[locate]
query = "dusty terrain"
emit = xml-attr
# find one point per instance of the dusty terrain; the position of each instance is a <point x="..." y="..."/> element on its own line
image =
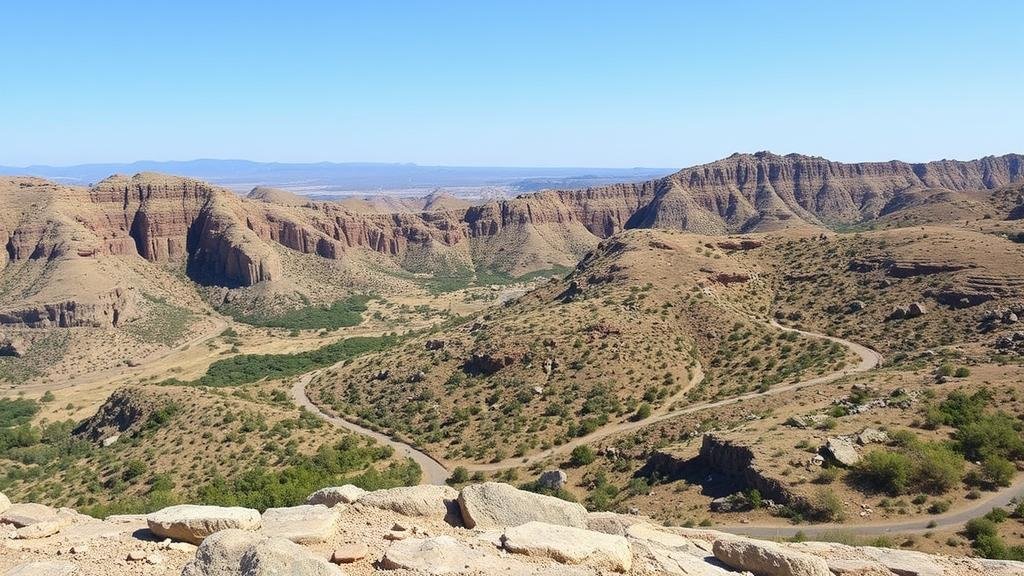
<point x="781" y="346"/>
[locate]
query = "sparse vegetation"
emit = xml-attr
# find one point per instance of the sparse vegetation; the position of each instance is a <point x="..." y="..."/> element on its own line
<point x="340" y="314"/>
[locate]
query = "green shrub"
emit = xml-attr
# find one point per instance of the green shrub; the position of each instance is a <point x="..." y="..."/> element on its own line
<point x="248" y="368"/>
<point x="926" y="467"/>
<point x="980" y="527"/>
<point x="349" y="461"/>
<point x="460" y="475"/>
<point x="825" y="506"/>
<point x="643" y="412"/>
<point x="885" y="471"/>
<point x="18" y="411"/>
<point x="997" y="470"/>
<point x="582" y="455"/>
<point x="992" y="434"/>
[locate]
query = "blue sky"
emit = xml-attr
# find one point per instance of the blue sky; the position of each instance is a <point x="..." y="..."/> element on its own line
<point x="518" y="83"/>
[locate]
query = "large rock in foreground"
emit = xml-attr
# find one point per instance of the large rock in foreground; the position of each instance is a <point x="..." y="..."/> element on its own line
<point x="280" y="557"/>
<point x="334" y="495"/>
<point x="425" y="501"/>
<point x="768" y="559"/>
<point x="570" y="545"/>
<point x="192" y="523"/>
<point x="21" y="515"/>
<point x="302" y="524"/>
<point x="234" y="552"/>
<point x="495" y="505"/>
<point x="439" y="555"/>
<point x="220" y="554"/>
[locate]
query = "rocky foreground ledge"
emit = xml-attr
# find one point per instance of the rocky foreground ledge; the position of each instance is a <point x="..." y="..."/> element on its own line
<point x="488" y="528"/>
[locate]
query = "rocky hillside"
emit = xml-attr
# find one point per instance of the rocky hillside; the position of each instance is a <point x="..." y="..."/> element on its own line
<point x="648" y="321"/>
<point x="764" y="191"/>
<point x="53" y="232"/>
<point x="483" y="529"/>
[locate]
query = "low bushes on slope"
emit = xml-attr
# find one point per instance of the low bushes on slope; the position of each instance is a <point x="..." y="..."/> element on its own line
<point x="247" y="368"/>
<point x="340" y="314"/>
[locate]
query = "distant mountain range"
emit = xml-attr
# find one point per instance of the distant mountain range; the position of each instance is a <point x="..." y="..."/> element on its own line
<point x="356" y="177"/>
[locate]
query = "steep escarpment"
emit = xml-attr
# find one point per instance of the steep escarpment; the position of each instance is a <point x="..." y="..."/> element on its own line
<point x="50" y="231"/>
<point x="168" y="218"/>
<point x="765" y="191"/>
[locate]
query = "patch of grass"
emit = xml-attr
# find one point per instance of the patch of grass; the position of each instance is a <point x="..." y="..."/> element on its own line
<point x="15" y="412"/>
<point x="247" y="368"/>
<point x="331" y="466"/>
<point x="164" y="323"/>
<point x="340" y="314"/>
<point x="463" y="279"/>
<point x="44" y="352"/>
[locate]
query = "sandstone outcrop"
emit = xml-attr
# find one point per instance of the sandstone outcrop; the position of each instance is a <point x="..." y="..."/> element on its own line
<point x="302" y="524"/>
<point x="234" y="552"/>
<point x="496" y="505"/>
<point x="438" y="555"/>
<point x="765" y="558"/>
<point x="334" y="495"/>
<point x="192" y="523"/>
<point x="428" y="501"/>
<point x="630" y="544"/>
<point x="570" y="545"/>
<point x="126" y="410"/>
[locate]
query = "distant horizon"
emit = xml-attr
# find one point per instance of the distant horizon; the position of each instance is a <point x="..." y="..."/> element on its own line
<point x="503" y="166"/>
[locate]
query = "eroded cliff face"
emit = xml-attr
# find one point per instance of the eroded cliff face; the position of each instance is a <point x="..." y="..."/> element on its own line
<point x="762" y="191"/>
<point x="229" y="241"/>
<point x="104" y="310"/>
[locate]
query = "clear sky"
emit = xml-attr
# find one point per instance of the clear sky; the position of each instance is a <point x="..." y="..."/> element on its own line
<point x="519" y="83"/>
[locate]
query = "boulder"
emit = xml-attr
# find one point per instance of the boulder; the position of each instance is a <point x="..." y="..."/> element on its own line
<point x="872" y="436"/>
<point x="768" y="559"/>
<point x="552" y="480"/>
<point x="916" y="309"/>
<point x="897" y="313"/>
<point x="39" y="530"/>
<point x="611" y="522"/>
<point x="5" y="503"/>
<point x="193" y="523"/>
<point x="306" y="524"/>
<point x="735" y="502"/>
<point x="438" y="555"/>
<point x="904" y="562"/>
<point x="221" y="553"/>
<point x="426" y="501"/>
<point x="349" y="553"/>
<point x="653" y="559"/>
<point x="280" y="557"/>
<point x="45" y="568"/>
<point x="570" y="545"/>
<point x="346" y="494"/>
<point x="662" y="539"/>
<point x="234" y="552"/>
<point x="26" y="514"/>
<point x="842" y="451"/>
<point x="497" y="505"/>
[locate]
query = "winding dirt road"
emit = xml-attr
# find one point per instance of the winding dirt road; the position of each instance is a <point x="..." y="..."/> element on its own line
<point x="433" y="471"/>
<point x="952" y="519"/>
<point x="436" y="473"/>
<point x="869" y="359"/>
